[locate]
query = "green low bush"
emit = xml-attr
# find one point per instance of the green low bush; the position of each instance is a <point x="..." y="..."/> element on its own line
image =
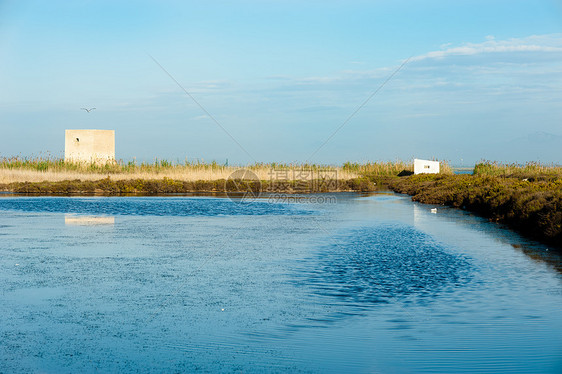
<point x="531" y="207"/>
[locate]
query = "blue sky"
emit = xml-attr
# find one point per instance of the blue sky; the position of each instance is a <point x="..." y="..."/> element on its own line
<point x="484" y="80"/>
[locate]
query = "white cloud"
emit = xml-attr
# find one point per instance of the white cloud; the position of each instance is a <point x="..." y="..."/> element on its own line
<point x="213" y="84"/>
<point x="199" y="118"/>
<point x="536" y="49"/>
<point x="535" y="43"/>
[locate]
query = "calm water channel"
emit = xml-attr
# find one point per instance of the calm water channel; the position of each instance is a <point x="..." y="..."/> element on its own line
<point x="343" y="283"/>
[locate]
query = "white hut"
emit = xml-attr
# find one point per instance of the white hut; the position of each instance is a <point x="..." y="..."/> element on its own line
<point x="96" y="146"/>
<point x="426" y="167"/>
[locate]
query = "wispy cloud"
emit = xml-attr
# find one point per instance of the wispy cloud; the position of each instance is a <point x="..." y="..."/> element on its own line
<point x="535" y="43"/>
<point x="213" y="84"/>
<point x="200" y="118"/>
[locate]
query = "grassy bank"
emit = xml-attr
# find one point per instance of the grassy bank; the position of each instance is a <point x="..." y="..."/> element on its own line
<point x="527" y="198"/>
<point x="57" y="176"/>
<point x="16" y="169"/>
<point x="531" y="171"/>
<point x="54" y="176"/>
<point x="110" y="186"/>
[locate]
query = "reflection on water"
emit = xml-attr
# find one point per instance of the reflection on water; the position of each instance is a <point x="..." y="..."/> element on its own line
<point x="379" y="264"/>
<point x="141" y="206"/>
<point x="551" y="257"/>
<point x="88" y="220"/>
<point x="421" y="212"/>
<point x="424" y="221"/>
<point x="367" y="284"/>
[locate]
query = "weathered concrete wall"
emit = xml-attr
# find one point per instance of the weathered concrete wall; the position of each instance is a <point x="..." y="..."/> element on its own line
<point x="96" y="146"/>
<point x="426" y="167"/>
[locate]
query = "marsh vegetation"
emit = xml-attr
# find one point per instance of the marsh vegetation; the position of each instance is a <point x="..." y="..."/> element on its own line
<point x="18" y="169"/>
<point x="528" y="198"/>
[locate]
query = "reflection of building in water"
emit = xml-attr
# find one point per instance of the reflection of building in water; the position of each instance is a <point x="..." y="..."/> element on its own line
<point x="419" y="216"/>
<point x="88" y="220"/>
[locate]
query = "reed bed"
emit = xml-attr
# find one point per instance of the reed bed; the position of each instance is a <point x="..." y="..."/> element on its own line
<point x="180" y="174"/>
<point x="530" y="170"/>
<point x="17" y="169"/>
<point x="50" y="169"/>
<point x="157" y="166"/>
<point x="389" y="168"/>
<point x="378" y="168"/>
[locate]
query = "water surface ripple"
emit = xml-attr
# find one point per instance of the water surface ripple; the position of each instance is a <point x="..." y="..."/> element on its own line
<point x="367" y="284"/>
<point x="378" y="264"/>
<point x="146" y="206"/>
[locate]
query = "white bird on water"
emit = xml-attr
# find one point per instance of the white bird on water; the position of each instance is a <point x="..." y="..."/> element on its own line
<point x="88" y="110"/>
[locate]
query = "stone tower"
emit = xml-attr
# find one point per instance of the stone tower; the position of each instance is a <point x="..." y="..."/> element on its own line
<point x="89" y="146"/>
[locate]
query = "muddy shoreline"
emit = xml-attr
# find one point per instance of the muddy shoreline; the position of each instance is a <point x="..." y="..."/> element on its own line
<point x="112" y="187"/>
<point x="532" y="207"/>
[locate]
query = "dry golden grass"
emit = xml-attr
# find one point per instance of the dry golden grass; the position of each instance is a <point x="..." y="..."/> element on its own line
<point x="389" y="168"/>
<point x="188" y="174"/>
<point x="17" y="169"/>
<point x="529" y="170"/>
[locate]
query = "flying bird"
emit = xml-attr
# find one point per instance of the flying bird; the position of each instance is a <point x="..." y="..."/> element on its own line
<point x="88" y="110"/>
